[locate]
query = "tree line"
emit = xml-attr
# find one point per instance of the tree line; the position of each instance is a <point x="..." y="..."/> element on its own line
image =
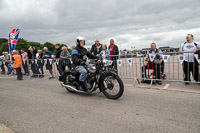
<point x="24" y="44"/>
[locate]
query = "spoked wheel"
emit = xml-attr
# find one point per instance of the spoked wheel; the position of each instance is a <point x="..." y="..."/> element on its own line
<point x="112" y="86"/>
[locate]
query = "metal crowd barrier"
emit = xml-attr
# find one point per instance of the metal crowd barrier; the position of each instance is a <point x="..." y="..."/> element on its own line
<point x="132" y="66"/>
<point x="171" y="69"/>
<point x="38" y="67"/>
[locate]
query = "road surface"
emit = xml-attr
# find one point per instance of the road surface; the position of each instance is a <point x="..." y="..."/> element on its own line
<point x="42" y="106"/>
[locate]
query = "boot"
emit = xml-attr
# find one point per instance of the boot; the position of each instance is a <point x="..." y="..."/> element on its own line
<point x="87" y="85"/>
<point x="81" y="86"/>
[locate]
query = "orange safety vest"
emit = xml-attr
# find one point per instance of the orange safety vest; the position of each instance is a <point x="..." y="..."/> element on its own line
<point x="17" y="61"/>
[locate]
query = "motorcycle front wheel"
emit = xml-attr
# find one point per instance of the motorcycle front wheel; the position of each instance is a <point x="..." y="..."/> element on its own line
<point x="112" y="86"/>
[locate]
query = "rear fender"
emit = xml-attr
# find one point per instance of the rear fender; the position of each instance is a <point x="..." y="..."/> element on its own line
<point x="64" y="75"/>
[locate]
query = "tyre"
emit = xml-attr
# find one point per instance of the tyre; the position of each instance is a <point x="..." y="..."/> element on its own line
<point x="112" y="86"/>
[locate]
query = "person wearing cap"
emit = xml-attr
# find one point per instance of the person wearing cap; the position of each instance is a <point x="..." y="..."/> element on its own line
<point x="17" y="64"/>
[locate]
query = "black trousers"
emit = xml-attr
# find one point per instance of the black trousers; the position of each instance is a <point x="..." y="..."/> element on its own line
<point x="190" y="67"/>
<point x="2" y="67"/>
<point x="25" y="67"/>
<point x="19" y="73"/>
<point x="34" y="68"/>
<point x="156" y="70"/>
<point x="40" y="69"/>
<point x="59" y="67"/>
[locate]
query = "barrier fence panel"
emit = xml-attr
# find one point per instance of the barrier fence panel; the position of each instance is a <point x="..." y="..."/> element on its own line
<point x="134" y="66"/>
<point x="171" y="69"/>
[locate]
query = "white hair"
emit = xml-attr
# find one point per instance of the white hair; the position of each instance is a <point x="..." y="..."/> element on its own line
<point x="64" y="47"/>
<point x="45" y="48"/>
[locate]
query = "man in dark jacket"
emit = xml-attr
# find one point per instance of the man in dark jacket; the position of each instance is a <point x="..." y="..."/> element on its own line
<point x="78" y="55"/>
<point x="96" y="48"/>
<point x="114" y="53"/>
<point x="57" y="55"/>
<point x="155" y="64"/>
<point x="31" y="56"/>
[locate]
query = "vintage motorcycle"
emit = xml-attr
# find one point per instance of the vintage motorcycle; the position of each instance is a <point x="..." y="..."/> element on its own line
<point x="108" y="82"/>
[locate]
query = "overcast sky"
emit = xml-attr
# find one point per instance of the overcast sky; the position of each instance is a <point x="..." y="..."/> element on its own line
<point x="129" y="22"/>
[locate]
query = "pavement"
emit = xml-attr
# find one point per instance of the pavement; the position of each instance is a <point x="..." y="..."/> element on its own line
<point x="4" y="129"/>
<point x="43" y="106"/>
<point x="169" y="86"/>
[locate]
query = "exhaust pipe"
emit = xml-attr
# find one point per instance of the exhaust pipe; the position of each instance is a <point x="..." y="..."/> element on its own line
<point x="72" y="88"/>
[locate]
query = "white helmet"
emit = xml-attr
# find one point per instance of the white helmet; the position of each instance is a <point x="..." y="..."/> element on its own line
<point x="80" y="38"/>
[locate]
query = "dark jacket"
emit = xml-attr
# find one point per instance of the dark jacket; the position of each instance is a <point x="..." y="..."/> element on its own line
<point x="58" y="51"/>
<point x="115" y="52"/>
<point x="78" y="53"/>
<point x="157" y="54"/>
<point x="32" y="55"/>
<point x="94" y="49"/>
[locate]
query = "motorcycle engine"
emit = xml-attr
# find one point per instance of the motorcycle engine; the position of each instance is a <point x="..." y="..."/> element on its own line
<point x="71" y="80"/>
<point x="92" y="77"/>
<point x="92" y="68"/>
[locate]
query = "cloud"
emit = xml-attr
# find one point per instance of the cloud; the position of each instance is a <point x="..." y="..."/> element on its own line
<point x="128" y="22"/>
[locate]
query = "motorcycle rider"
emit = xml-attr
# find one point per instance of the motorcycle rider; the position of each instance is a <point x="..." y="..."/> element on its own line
<point x="79" y="54"/>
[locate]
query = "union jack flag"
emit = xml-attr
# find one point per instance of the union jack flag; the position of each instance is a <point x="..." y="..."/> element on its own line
<point x="12" y="40"/>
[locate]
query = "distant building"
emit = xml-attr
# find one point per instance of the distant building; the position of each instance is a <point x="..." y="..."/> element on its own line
<point x="168" y="49"/>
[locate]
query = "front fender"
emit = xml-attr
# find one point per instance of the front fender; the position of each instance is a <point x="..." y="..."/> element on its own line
<point x="110" y="73"/>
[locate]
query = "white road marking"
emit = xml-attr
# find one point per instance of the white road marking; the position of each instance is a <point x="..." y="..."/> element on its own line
<point x="166" y="86"/>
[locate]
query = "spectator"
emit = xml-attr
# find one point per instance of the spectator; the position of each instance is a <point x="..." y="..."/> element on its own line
<point x="114" y="53"/>
<point x="31" y="56"/>
<point x="58" y="51"/>
<point x="105" y="53"/>
<point x="47" y="55"/>
<point x="57" y="55"/>
<point x="197" y="64"/>
<point x="64" y="61"/>
<point x="3" y="71"/>
<point x="40" y="63"/>
<point x="73" y="47"/>
<point x="96" y="48"/>
<point x="17" y="64"/>
<point x="7" y="60"/>
<point x="188" y="64"/>
<point x="24" y="56"/>
<point x="156" y="63"/>
<point x="17" y="51"/>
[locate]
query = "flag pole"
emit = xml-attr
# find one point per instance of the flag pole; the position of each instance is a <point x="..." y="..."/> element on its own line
<point x="9" y="45"/>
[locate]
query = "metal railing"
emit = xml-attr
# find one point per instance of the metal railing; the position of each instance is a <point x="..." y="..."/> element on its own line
<point x="173" y="68"/>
